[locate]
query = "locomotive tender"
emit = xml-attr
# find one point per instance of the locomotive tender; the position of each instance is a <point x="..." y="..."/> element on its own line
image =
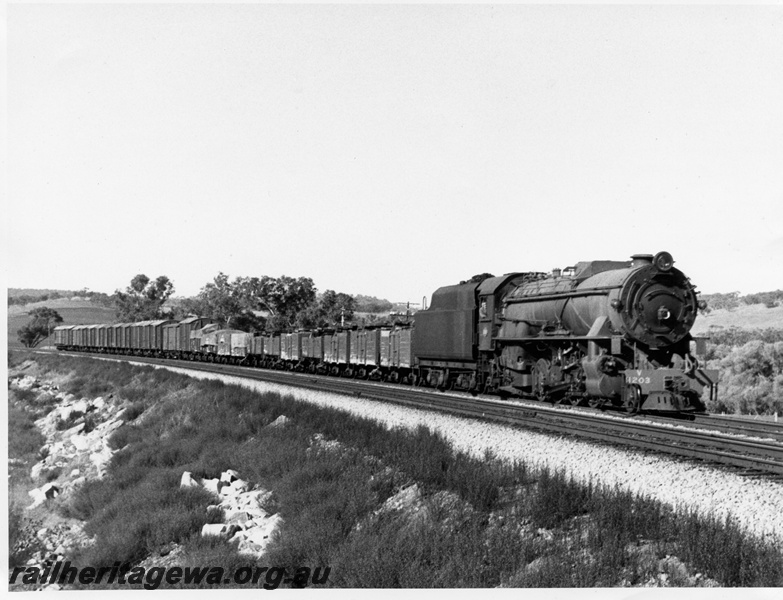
<point x="598" y="333"/>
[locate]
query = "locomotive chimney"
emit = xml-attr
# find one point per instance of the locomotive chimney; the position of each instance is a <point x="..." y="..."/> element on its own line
<point x="639" y="260"/>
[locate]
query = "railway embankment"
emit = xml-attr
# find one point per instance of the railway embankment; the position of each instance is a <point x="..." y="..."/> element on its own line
<point x="380" y="501"/>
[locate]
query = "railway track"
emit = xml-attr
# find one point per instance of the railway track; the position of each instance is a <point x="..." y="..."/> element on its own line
<point x="751" y="446"/>
<point x="728" y="424"/>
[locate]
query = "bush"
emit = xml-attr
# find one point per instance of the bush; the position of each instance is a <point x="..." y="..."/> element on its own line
<point x="722" y="549"/>
<point x="557" y="499"/>
<point x="751" y="378"/>
<point x="728" y="301"/>
<point x="24" y="438"/>
<point x="132" y="411"/>
<point x="130" y="522"/>
<point x="52" y="474"/>
<point x="768" y="299"/>
<point x="21" y="545"/>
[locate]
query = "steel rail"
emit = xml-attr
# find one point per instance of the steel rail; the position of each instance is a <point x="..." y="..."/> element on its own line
<point x="725" y="424"/>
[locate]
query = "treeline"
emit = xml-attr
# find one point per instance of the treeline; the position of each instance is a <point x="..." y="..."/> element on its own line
<point x="248" y="303"/>
<point x="23" y="299"/>
<point x="733" y="300"/>
<point x="750" y="362"/>
<point x="251" y="304"/>
<point x="735" y="336"/>
<point x="268" y="303"/>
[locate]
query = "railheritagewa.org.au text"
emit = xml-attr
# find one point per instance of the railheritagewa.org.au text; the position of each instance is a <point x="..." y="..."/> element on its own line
<point x="268" y="578"/>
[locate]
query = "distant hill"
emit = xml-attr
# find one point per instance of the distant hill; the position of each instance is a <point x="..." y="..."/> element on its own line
<point x="58" y="304"/>
<point x="753" y="316"/>
<point x="16" y="292"/>
<point x="73" y="312"/>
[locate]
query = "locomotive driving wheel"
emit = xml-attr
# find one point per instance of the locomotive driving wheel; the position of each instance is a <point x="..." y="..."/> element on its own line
<point x="632" y="400"/>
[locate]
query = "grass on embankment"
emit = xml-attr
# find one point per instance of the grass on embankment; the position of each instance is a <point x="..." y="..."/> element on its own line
<point x="481" y="523"/>
<point x="24" y="443"/>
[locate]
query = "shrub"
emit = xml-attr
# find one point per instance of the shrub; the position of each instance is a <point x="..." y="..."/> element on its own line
<point x="27" y="397"/>
<point x="24" y="438"/>
<point x="21" y="545"/>
<point x="134" y="521"/>
<point x="722" y="549"/>
<point x="52" y="474"/>
<point x="132" y="411"/>
<point x="557" y="499"/>
<point x="751" y="378"/>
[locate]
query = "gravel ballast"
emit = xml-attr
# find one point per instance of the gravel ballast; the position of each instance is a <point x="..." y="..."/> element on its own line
<point x="756" y="504"/>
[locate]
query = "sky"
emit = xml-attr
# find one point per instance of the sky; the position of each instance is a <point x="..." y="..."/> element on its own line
<point x="390" y="150"/>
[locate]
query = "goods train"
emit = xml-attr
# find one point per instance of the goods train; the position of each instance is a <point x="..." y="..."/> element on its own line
<point x="600" y="333"/>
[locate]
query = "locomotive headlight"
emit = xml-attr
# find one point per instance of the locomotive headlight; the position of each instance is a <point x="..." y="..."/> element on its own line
<point x="663" y="314"/>
<point x="664" y="261"/>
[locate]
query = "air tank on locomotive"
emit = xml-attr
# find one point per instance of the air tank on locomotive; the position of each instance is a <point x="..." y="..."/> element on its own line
<point x="604" y="331"/>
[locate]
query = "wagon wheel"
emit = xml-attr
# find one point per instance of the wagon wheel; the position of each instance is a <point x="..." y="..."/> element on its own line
<point x="541" y="379"/>
<point x="632" y="400"/>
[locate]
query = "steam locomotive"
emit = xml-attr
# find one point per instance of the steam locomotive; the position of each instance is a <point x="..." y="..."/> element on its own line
<point x="599" y="333"/>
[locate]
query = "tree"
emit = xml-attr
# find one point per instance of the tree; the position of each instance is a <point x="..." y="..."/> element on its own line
<point x="728" y="301"/>
<point x="337" y="306"/>
<point x="234" y="304"/>
<point x="371" y="304"/>
<point x="218" y="300"/>
<point x="271" y="303"/>
<point x="40" y="326"/>
<point x="143" y="299"/>
<point x="768" y="299"/>
<point x="330" y="309"/>
<point x="286" y="297"/>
